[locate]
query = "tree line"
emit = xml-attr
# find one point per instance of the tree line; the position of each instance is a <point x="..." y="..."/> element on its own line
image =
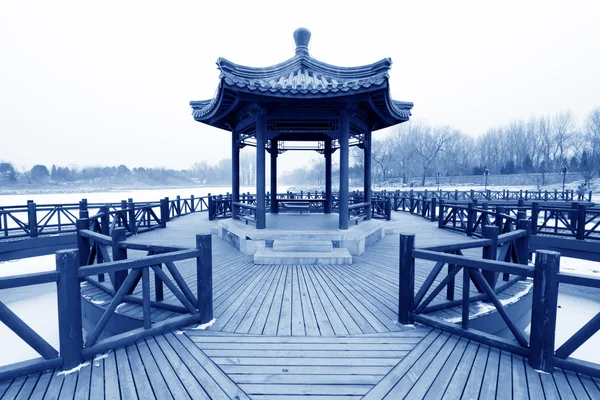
<point x="540" y="145"/>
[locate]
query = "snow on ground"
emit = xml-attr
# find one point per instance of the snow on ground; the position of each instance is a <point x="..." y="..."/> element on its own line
<point x="40" y="312"/>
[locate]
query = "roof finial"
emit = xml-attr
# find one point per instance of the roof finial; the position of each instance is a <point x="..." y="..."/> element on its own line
<point x="302" y="38"/>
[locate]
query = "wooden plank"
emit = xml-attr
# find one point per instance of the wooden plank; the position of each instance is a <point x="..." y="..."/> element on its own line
<point x="28" y="386"/>
<point x="473" y="386"/>
<point x="562" y="385"/>
<point x="284" y="326"/>
<point x="68" y="388"/>
<point x="150" y="368"/>
<point x="576" y="386"/>
<point x="400" y="370"/>
<point x="534" y="385"/>
<point x="590" y="387"/>
<point x="505" y="381"/>
<point x="315" y="346"/>
<point x="353" y="362"/>
<point x="125" y="375"/>
<point x="208" y="383"/>
<point x="311" y="390"/>
<point x="82" y="390"/>
<point x="306" y="370"/>
<point x="272" y="321"/>
<point x="425" y="381"/>
<point x="175" y="386"/>
<point x="111" y="379"/>
<point x="224" y="382"/>
<point x="322" y="322"/>
<point x="54" y="386"/>
<point x="187" y="378"/>
<point x="297" y="323"/>
<point x="460" y="375"/>
<point x="437" y="387"/>
<point x="138" y="371"/>
<point x="15" y="387"/>
<point x="42" y="385"/>
<point x="96" y="390"/>
<point x="519" y="378"/>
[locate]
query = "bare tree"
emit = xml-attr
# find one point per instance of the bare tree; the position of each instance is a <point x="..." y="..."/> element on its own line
<point x="430" y="144"/>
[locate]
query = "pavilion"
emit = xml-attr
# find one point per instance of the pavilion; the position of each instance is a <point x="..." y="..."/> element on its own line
<point x="302" y="100"/>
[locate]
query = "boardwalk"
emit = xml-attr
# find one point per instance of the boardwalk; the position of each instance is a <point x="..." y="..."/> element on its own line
<point x="294" y="332"/>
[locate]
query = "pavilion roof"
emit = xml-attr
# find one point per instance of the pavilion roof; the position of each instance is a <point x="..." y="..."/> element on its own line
<point x="301" y="77"/>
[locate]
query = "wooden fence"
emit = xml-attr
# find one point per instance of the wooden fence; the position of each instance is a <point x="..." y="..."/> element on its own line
<point x="482" y="272"/>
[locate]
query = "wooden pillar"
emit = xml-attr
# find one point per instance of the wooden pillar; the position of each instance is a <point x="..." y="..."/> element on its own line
<point x="68" y="295"/>
<point x="204" y="278"/>
<point x="543" y="310"/>
<point x="406" y="288"/>
<point x="261" y="127"/>
<point x="235" y="171"/>
<point x="344" y="153"/>
<point x="367" y="171"/>
<point x="328" y="199"/>
<point x="274" y="154"/>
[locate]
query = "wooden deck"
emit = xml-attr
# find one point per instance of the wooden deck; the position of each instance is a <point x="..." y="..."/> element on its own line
<point x="304" y="300"/>
<point x="303" y="332"/>
<point x="418" y="363"/>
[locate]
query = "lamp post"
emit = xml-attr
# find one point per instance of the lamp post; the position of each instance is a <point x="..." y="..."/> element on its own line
<point x="438" y="181"/>
<point x="564" y="170"/>
<point x="486" y="172"/>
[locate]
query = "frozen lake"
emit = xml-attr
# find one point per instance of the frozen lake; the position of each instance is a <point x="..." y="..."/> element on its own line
<point x="576" y="306"/>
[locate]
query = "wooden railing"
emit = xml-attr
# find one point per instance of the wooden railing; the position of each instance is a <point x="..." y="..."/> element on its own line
<point x="481" y="272"/>
<point x="489" y="195"/>
<point x="72" y="266"/>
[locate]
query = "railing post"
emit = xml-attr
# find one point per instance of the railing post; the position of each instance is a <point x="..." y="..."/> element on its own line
<point x="581" y="222"/>
<point x="32" y="218"/>
<point x="83" y="243"/>
<point x="211" y="206"/>
<point x="192" y="208"/>
<point x="535" y="212"/>
<point x="118" y="235"/>
<point x="441" y="216"/>
<point x="406" y="294"/>
<point x="164" y="212"/>
<point x="543" y="310"/>
<point x="490" y="252"/>
<point x="498" y="220"/>
<point x="178" y="203"/>
<point x="105" y="220"/>
<point x="168" y="214"/>
<point x="470" y="221"/>
<point x="131" y="219"/>
<point x="522" y="243"/>
<point x="68" y="294"/>
<point x="124" y="213"/>
<point x="83" y="209"/>
<point x="573" y="217"/>
<point x="388" y="209"/>
<point x="204" y="277"/>
<point x="432" y="210"/>
<point x="412" y="201"/>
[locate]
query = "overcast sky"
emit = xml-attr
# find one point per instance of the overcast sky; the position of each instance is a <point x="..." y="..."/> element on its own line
<point x="105" y="83"/>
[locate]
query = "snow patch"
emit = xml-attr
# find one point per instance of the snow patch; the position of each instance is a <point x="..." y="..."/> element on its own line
<point x="82" y="284"/>
<point x="119" y="307"/>
<point x="539" y="371"/>
<point x="100" y="357"/>
<point x="99" y="302"/>
<point x="486" y="308"/>
<point x="76" y="369"/>
<point x="206" y="325"/>
<point x="179" y="333"/>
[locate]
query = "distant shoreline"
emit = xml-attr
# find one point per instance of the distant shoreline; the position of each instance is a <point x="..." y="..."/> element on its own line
<point x="4" y="191"/>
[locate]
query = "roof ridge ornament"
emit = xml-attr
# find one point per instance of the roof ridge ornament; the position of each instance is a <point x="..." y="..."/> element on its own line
<point x="302" y="38"/>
